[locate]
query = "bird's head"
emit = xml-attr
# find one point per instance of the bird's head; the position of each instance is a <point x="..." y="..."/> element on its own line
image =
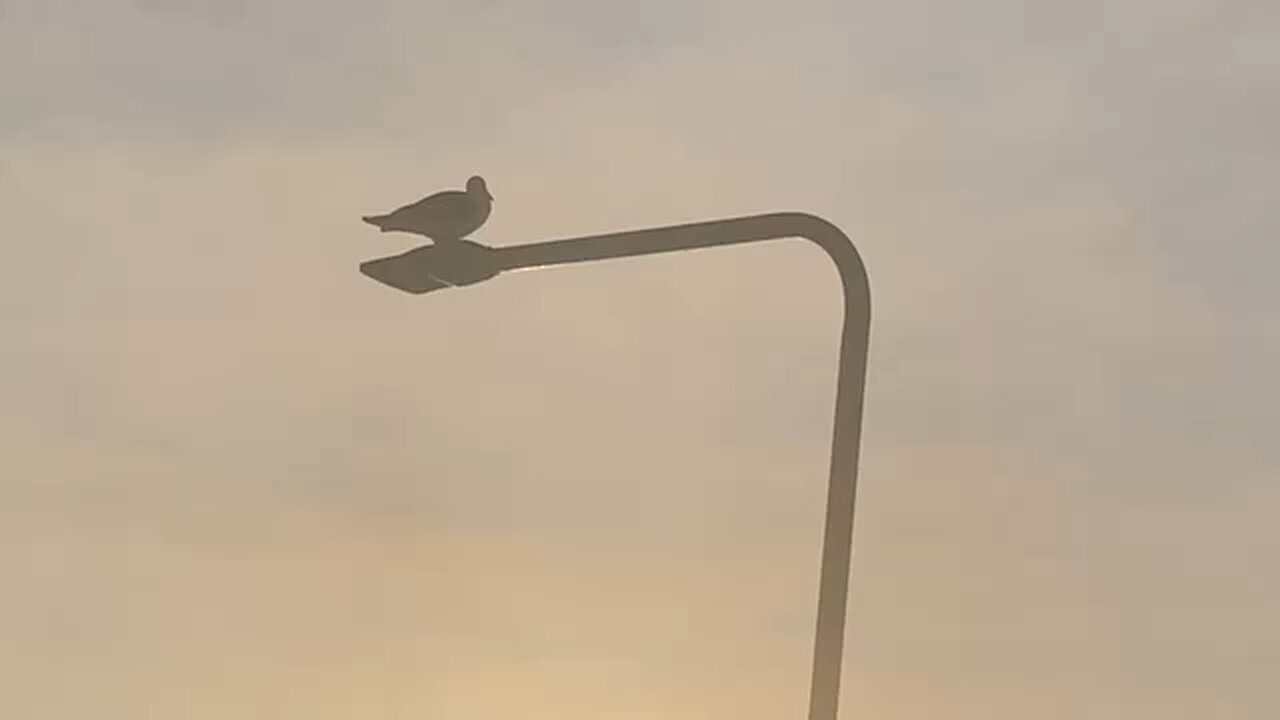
<point x="476" y="187"/>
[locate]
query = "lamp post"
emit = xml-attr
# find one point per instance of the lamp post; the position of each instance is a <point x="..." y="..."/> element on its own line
<point x="436" y="267"/>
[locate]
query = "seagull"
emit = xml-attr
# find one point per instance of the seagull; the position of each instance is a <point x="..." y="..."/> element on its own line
<point x="446" y="216"/>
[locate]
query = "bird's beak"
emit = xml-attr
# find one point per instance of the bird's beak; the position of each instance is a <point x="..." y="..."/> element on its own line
<point x="486" y="192"/>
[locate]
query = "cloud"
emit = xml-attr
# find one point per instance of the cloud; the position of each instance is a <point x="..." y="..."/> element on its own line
<point x="242" y="468"/>
<point x="215" y="11"/>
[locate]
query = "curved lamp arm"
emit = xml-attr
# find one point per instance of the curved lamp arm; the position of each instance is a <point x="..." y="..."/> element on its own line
<point x="437" y="267"/>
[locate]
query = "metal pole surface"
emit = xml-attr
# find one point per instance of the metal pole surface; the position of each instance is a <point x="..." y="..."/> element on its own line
<point x="837" y="541"/>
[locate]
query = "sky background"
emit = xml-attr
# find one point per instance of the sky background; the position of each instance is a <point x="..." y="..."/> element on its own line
<point x="241" y="480"/>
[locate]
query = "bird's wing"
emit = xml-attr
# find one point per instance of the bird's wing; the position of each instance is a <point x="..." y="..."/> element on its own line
<point x="447" y="205"/>
<point x="428" y="200"/>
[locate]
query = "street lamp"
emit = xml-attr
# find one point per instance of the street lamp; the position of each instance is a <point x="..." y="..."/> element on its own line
<point x="459" y="263"/>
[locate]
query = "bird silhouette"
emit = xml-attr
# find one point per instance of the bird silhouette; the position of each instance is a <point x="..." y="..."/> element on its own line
<point x="447" y="216"/>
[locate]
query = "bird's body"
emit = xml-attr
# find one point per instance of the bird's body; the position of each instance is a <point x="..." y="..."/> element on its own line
<point x="446" y="216"/>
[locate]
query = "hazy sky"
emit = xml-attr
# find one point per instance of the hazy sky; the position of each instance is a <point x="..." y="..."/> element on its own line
<point x="241" y="480"/>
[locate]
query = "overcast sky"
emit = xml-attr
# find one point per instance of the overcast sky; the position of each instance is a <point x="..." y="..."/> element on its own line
<point x="241" y="480"/>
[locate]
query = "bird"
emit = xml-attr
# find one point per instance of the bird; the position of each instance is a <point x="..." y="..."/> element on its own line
<point x="447" y="216"/>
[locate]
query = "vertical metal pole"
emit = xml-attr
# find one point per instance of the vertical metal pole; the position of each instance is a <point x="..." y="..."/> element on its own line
<point x="416" y="272"/>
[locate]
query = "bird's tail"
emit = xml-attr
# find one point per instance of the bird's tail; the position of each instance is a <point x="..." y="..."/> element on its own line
<point x="378" y="221"/>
